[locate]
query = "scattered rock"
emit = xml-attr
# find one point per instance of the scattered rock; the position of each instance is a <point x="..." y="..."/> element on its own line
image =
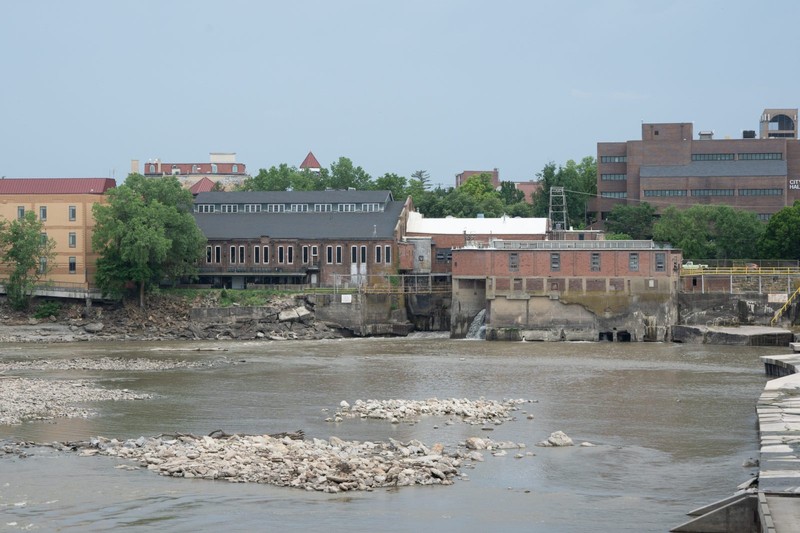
<point x="558" y="438"/>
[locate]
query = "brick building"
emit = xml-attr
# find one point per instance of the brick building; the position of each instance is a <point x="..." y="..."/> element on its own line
<point x="222" y="168"/>
<point x="567" y="289"/>
<point x="64" y="206"/>
<point x="669" y="166"/>
<point x="317" y="238"/>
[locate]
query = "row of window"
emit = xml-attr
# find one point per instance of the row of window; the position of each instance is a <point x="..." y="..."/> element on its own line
<point x="72" y="262"/>
<point x="73" y="212"/>
<point x="284" y="208"/>
<point x="614" y="194"/>
<point x="594" y="262"/>
<point x="151" y="169"/>
<point x="613" y="159"/>
<point x="714" y="192"/>
<point x="260" y="255"/>
<point x="742" y="156"/>
<point x="72" y="239"/>
<point x="613" y="177"/>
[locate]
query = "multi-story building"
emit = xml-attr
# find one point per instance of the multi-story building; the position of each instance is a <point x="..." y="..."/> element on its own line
<point x="64" y="206"/>
<point x="222" y="169"/>
<point x="670" y="167"/>
<point x="462" y="177"/>
<point x="318" y="238"/>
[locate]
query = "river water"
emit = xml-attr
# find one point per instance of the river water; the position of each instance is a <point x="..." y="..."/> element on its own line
<point x="671" y="424"/>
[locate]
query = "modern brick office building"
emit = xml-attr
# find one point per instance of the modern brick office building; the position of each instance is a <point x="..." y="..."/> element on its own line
<point x="672" y="166"/>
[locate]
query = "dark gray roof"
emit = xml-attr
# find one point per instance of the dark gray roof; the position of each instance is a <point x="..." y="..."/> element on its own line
<point x="709" y="169"/>
<point x="293" y="197"/>
<point x="323" y="226"/>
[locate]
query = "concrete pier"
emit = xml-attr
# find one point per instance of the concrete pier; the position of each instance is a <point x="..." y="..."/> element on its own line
<point x="771" y="502"/>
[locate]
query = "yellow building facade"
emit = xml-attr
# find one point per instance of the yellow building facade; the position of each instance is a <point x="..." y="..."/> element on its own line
<point x="64" y="206"/>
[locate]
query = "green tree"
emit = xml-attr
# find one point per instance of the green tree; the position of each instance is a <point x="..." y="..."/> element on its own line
<point x="345" y="175"/>
<point x="392" y="182"/>
<point x="580" y="185"/>
<point x="781" y="239"/>
<point x="710" y="232"/>
<point x="275" y="179"/>
<point x="509" y="193"/>
<point x="634" y="220"/>
<point x="145" y="234"/>
<point x="28" y="255"/>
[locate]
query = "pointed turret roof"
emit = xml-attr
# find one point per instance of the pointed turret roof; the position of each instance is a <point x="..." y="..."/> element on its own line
<point x="310" y="162"/>
<point x="204" y="185"/>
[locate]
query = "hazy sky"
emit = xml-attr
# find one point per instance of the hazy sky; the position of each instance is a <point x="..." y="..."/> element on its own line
<point x="400" y="86"/>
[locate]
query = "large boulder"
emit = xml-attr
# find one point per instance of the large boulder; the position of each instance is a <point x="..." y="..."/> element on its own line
<point x="558" y="438"/>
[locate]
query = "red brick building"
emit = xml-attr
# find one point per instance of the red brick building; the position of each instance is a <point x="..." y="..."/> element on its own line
<point x="222" y="168"/>
<point x="670" y="166"/>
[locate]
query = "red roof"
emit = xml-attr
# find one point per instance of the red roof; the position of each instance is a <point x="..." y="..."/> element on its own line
<point x="204" y="185"/>
<point x="310" y="162"/>
<point x="56" y="185"/>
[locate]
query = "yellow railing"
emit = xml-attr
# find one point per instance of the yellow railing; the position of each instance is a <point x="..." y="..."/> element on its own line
<point x="742" y="271"/>
<point x="783" y="309"/>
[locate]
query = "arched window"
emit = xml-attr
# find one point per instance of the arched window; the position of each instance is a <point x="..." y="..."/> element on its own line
<point x="152" y="169"/>
<point x="235" y="169"/>
<point x="213" y="168"/>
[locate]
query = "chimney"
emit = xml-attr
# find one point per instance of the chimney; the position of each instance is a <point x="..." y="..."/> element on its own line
<point x="134" y="166"/>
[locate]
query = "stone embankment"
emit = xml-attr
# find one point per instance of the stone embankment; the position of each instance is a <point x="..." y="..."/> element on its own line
<point x="284" y="318"/>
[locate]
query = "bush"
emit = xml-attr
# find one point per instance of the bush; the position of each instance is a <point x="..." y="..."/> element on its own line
<point x="47" y="309"/>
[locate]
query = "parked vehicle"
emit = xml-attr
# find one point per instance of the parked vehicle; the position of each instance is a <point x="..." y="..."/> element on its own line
<point x="688" y="265"/>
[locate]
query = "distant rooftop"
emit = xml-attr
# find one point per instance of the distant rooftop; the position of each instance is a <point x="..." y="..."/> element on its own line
<point x="475" y="226"/>
<point x="56" y="185"/>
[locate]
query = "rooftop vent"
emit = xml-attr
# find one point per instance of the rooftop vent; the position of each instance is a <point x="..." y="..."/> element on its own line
<point x="749" y="134"/>
<point x="706" y="135"/>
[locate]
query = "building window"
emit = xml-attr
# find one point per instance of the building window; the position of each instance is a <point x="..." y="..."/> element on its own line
<point x="20" y="212"/>
<point x="195" y="169"/>
<point x="73" y="265"/>
<point x="298" y="208"/>
<point x="235" y="169"/>
<point x="377" y="254"/>
<point x="338" y="255"/>
<point x="290" y="254"/>
<point x="209" y="254"/>
<point x="242" y="255"/>
<point x="613" y="159"/>
<point x="760" y="192"/>
<point x="43" y="213"/>
<point x="371" y="207"/>
<point x="387" y="254"/>
<point x="305" y="255"/>
<point x="73" y="239"/>
<point x="314" y="253"/>
<point x="444" y="255"/>
<point x="152" y="169"/>
<point x="363" y="255"/>
<point x="614" y="194"/>
<point x="613" y="177"/>
<point x="232" y="256"/>
<point x="354" y="255"/>
<point x="73" y="213"/>
<point x="252" y="208"/>
<point x="42" y="265"/>
<point x="712" y="157"/>
<point x="665" y="192"/>
<point x="329" y="254"/>
<point x="204" y="208"/>
<point x="595" y="262"/>
<point x="347" y="208"/>
<point x="275" y="208"/>
<point x="764" y="217"/>
<point x="661" y="262"/>
<point x="322" y="208"/>
<point x="256" y="254"/>
<point x="712" y="192"/>
<point x="213" y="168"/>
<point x="513" y="262"/>
<point x="218" y="254"/>
<point x="43" y="238"/>
<point x="555" y="262"/>
<point x="761" y="157"/>
<point x="633" y="261"/>
<point x="281" y="256"/>
<point x="265" y="257"/>
<point x="230" y="208"/>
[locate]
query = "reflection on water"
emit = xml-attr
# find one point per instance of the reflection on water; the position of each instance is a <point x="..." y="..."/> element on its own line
<point x="671" y="425"/>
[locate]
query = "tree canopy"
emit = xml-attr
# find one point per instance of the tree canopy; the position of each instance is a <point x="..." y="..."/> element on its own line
<point x="636" y="221"/>
<point x="710" y="232"/>
<point x="28" y="255"/>
<point x="580" y="185"/>
<point x="145" y="234"/>
<point x="781" y="239"/>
